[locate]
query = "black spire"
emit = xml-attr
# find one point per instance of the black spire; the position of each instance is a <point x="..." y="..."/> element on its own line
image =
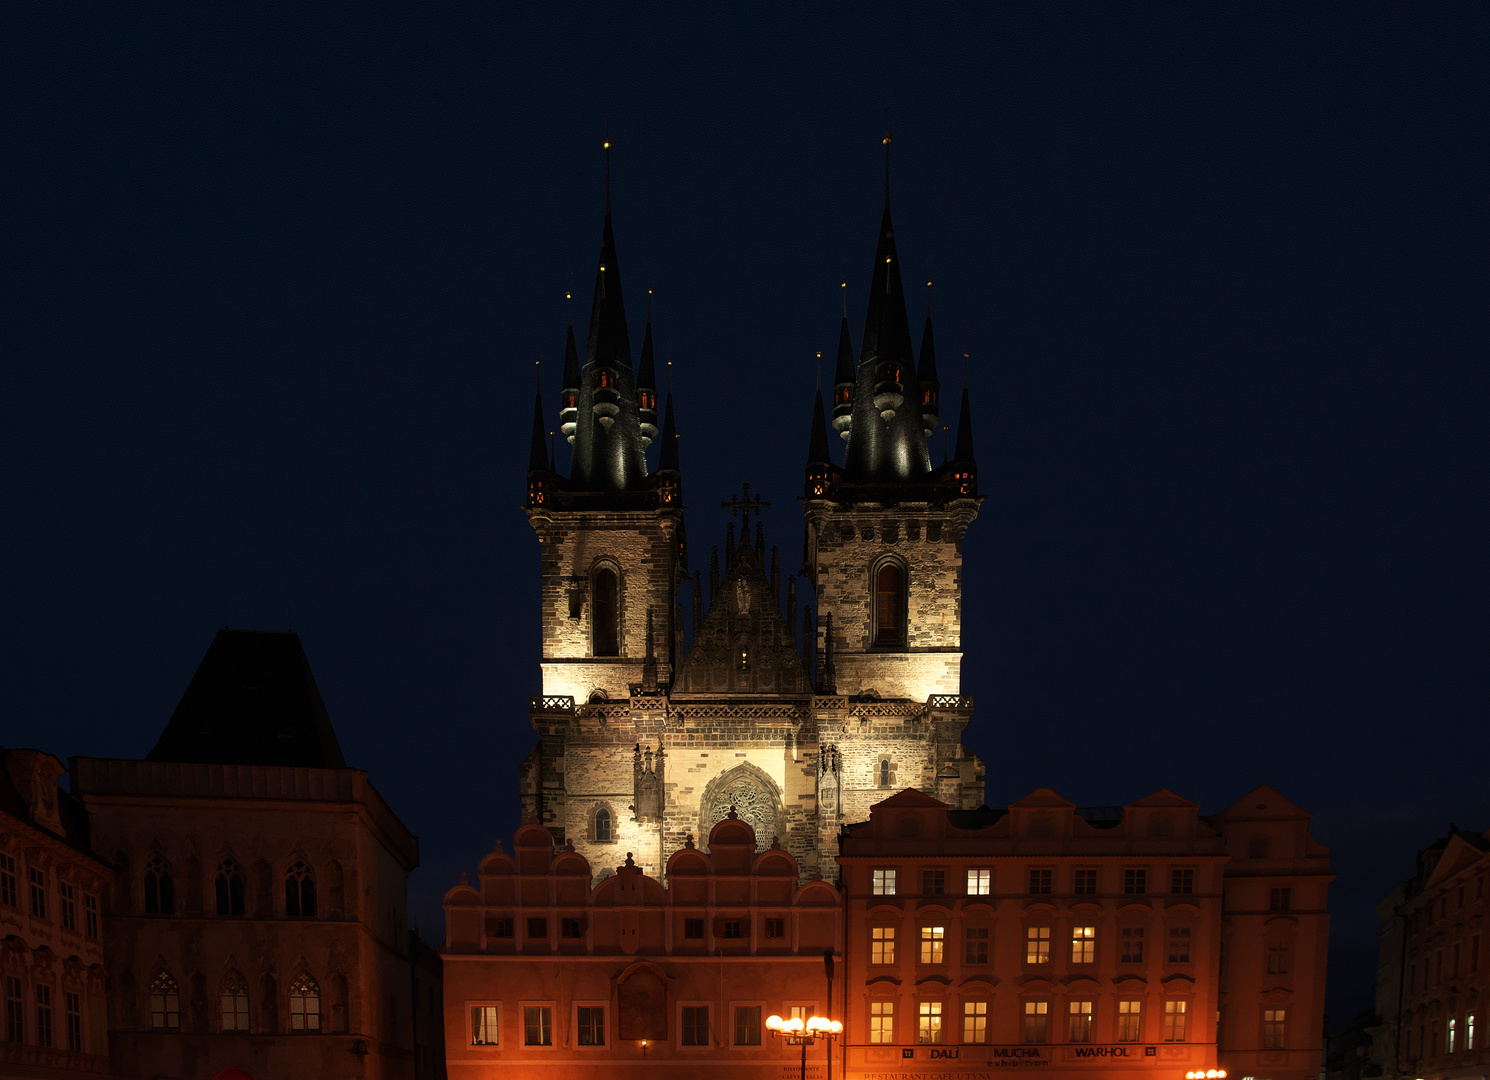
<point x="569" y="395"/>
<point x="926" y="375"/>
<point x="668" y="455"/>
<point x="608" y="450"/>
<point x="843" y="384"/>
<point x="538" y="453"/>
<point x="646" y="389"/>
<point x="964" y="455"/>
<point x="886" y="443"/>
<point x="817" y="442"/>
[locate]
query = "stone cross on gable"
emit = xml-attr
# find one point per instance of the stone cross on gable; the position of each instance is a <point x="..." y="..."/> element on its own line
<point x="745" y="507"/>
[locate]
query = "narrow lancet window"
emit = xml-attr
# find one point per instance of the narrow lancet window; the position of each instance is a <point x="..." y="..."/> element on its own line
<point x="607" y="613"/>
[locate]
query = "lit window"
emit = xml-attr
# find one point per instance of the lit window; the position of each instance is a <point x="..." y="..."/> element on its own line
<point x="1080" y="1022"/>
<point x="747" y="1025"/>
<point x="889" y="606"/>
<point x="979" y="882"/>
<point x="1132" y="945"/>
<point x="538" y="1025"/>
<point x="929" y="1022"/>
<point x="932" y="939"/>
<point x="38" y="878"/>
<point x="1083" y="944"/>
<point x="160" y="894"/>
<point x="881" y="1021"/>
<point x="1039" y="882"/>
<point x="1036" y="1021"/>
<point x="882" y="945"/>
<point x="1086" y="883"/>
<point x="602" y="826"/>
<point x="1174" y="1020"/>
<point x="305" y="1004"/>
<point x="695" y="1025"/>
<point x="742" y="658"/>
<point x="165" y="1003"/>
<point x="884" y="883"/>
<point x="484" y="1030"/>
<point x="933" y="882"/>
<point x="43" y="1015"/>
<point x="10" y="893"/>
<point x="1130" y="1013"/>
<point x="1280" y="899"/>
<point x="975" y="1021"/>
<point x="1179" y="944"/>
<point x="591" y="1023"/>
<point x="1272" y="1028"/>
<point x="1135" y="881"/>
<point x="1453" y="1035"/>
<point x="1469" y="1031"/>
<point x="1182" y="881"/>
<point x="1037" y="945"/>
<point x="976" y="940"/>
<point x="606" y="614"/>
<point x="300" y="892"/>
<point x="233" y="998"/>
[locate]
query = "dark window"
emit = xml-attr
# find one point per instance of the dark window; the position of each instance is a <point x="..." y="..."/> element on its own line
<point x="732" y="928"/>
<point x="43" y="1015"/>
<point x="1280" y="899"/>
<point x="1179" y="944"/>
<point x="501" y="928"/>
<point x="602" y="826"/>
<point x="537" y="928"/>
<point x="15" y="1010"/>
<point x="933" y="882"/>
<point x="160" y="894"/>
<point x="1132" y="945"/>
<point x="300" y="892"/>
<point x="572" y="928"/>
<point x="90" y="915"/>
<point x="607" y="613"/>
<point x="538" y="1025"/>
<point x="693" y="928"/>
<point x="165" y="1003"/>
<point x="886" y="773"/>
<point x="695" y="1025"/>
<point x="1135" y="881"/>
<point x="229" y="888"/>
<point x="10" y="892"/>
<point x="38" y="891"/>
<point x="67" y="909"/>
<point x="305" y="1004"/>
<point x="73" y="1004"/>
<point x="889" y="606"/>
<point x="1039" y="882"/>
<point x="591" y="1025"/>
<point x="976" y="940"/>
<point x="1182" y="881"/>
<point x="747" y="1025"/>
<point x="1086" y="883"/>
<point x="775" y="928"/>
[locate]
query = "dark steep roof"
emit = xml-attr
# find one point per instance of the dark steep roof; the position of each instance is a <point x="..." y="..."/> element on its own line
<point x="252" y="701"/>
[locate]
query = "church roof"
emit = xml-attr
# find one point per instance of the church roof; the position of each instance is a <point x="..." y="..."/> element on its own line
<point x="252" y="701"/>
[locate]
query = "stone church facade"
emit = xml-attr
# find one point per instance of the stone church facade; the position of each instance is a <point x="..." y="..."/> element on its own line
<point x="799" y="720"/>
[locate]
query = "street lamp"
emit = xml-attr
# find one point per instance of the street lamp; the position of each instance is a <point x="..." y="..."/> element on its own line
<point x="804" y="1031"/>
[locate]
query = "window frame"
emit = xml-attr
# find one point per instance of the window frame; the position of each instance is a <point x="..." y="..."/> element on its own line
<point x="683" y="1030"/>
<point x="1129" y="1027"/>
<point x="1083" y="945"/>
<point x="881" y="1009"/>
<point x="933" y="941"/>
<point x="1176" y="1025"/>
<point x="224" y="991"/>
<point x="603" y="566"/>
<point x="881" y="876"/>
<point x="471" y="1007"/>
<point x="605" y="1024"/>
<point x="901" y="600"/>
<point x="979" y="881"/>
<point x="1037" y="945"/>
<point x="931" y="1028"/>
<point x="882" y="946"/>
<point x="1076" y="1015"/>
<point x="1028" y="1011"/>
<point x="970" y="1014"/>
<point x="760" y="1023"/>
<point x="553" y="1041"/>
<point x="303" y="980"/>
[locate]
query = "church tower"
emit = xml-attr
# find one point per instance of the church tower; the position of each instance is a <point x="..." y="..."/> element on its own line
<point x="643" y="746"/>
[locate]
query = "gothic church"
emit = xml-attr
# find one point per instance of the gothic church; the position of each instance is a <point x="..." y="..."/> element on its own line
<point x="645" y="741"/>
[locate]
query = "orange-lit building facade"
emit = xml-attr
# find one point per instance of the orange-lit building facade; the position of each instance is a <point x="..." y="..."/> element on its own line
<point x="631" y="978"/>
<point x="1113" y="941"/>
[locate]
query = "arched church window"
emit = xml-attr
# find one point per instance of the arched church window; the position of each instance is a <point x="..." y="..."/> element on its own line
<point x="300" y="892"/>
<point x="305" y="1004"/>
<point x="234" y="997"/>
<point x="602" y="826"/>
<point x="165" y="1003"/>
<point x="606" y="613"/>
<point x="160" y="891"/>
<point x="889" y="605"/>
<point x="887" y="773"/>
<point x="229" y="887"/>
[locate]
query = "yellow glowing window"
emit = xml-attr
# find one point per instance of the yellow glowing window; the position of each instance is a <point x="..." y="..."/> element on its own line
<point x="882" y="945"/>
<point x="881" y="1021"/>
<point x="1083" y="944"/>
<point x="1037" y="945"/>
<point x="933" y="938"/>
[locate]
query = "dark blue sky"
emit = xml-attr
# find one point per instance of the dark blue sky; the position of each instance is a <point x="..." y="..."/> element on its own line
<point x="274" y="285"/>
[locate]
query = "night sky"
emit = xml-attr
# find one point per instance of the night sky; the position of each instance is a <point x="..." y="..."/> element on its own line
<point x="274" y="285"/>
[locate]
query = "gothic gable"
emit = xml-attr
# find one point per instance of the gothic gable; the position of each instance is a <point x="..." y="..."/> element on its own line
<point x="743" y="645"/>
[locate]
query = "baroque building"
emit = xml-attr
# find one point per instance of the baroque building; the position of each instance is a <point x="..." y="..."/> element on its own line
<point x="652" y="726"/>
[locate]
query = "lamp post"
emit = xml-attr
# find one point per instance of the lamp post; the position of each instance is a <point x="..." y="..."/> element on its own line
<point x="804" y="1031"/>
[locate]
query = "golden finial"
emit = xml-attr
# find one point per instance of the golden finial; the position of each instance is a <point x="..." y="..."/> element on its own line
<point x="843" y="291"/>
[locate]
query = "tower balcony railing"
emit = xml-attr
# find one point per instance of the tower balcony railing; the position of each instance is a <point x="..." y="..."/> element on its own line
<point x="551" y="703"/>
<point x="950" y="702"/>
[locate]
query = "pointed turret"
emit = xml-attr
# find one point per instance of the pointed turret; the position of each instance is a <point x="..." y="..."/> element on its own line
<point x="819" y="462"/>
<point x="886" y="443"/>
<point x="646" y="389"/>
<point x="926" y="375"/>
<point x="843" y="385"/>
<point x="538" y="450"/>
<point x="569" y="395"/>
<point x="608" y="449"/>
<point x="964" y="464"/>
<point x="669" y="475"/>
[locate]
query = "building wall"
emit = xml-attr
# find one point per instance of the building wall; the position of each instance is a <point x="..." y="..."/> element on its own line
<point x="264" y="819"/>
<point x="631" y="956"/>
<point x="50" y="930"/>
